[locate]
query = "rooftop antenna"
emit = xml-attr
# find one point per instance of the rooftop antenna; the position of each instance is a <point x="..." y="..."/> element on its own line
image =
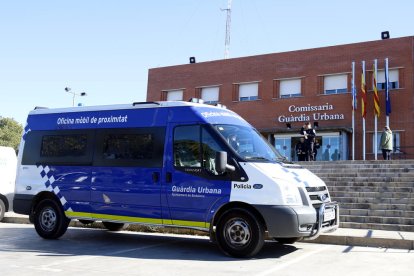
<point x="228" y="21"/>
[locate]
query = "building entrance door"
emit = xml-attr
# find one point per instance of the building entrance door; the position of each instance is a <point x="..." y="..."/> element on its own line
<point x="330" y="146"/>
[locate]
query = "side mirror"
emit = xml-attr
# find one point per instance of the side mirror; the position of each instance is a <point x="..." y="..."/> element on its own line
<point x="221" y="162"/>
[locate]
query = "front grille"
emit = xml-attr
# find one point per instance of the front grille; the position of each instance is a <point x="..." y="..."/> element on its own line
<point x="315" y="189"/>
<point x="318" y="195"/>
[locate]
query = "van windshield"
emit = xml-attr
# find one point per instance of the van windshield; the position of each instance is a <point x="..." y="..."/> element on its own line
<point x="249" y="144"/>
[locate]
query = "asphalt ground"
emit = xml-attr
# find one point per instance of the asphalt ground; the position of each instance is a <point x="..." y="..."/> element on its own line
<point x="83" y="251"/>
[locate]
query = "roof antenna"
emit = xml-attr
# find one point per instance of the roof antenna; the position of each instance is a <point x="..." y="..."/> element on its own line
<point x="228" y="21"/>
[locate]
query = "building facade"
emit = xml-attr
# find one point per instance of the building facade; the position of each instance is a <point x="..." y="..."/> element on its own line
<point x="278" y="93"/>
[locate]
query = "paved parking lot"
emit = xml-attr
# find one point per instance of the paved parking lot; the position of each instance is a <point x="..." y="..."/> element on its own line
<point x="99" y="252"/>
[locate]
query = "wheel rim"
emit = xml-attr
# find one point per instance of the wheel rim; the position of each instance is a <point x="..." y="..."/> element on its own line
<point x="237" y="232"/>
<point x="48" y="219"/>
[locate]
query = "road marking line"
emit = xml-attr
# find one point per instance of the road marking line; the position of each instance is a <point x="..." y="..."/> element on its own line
<point x="84" y="258"/>
<point x="296" y="260"/>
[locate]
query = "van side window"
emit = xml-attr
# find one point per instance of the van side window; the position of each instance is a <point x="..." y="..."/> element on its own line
<point x="195" y="147"/>
<point x="59" y="147"/>
<point x="63" y="145"/>
<point x="187" y="146"/>
<point x="134" y="147"/>
<point x="128" y="146"/>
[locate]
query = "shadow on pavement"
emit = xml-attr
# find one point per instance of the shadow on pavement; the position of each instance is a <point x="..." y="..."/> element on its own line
<point x="97" y="242"/>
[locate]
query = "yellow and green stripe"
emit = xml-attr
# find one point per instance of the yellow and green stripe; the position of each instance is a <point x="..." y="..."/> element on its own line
<point x="95" y="216"/>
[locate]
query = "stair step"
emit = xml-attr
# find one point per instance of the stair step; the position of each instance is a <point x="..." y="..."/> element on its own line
<point x="376" y="213"/>
<point x="348" y="193"/>
<point x="377" y="219"/>
<point x="324" y="174"/>
<point x="367" y="179"/>
<point x="374" y="200"/>
<point x="376" y="226"/>
<point x="372" y="189"/>
<point x="372" y="184"/>
<point x="361" y="170"/>
<point x="376" y="206"/>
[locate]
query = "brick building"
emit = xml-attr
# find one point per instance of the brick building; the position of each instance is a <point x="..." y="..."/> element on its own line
<point x="278" y="92"/>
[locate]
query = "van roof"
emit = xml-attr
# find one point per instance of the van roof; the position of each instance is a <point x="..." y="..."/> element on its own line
<point x="146" y="114"/>
<point x="136" y="105"/>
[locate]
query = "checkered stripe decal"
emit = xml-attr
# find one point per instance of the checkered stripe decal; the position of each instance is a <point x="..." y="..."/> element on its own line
<point x="26" y="130"/>
<point x="296" y="177"/>
<point x="49" y="180"/>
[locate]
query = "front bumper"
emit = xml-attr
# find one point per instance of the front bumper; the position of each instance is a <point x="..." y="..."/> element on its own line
<point x="299" y="221"/>
<point x="323" y="226"/>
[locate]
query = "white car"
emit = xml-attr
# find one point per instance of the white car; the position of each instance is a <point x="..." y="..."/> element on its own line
<point x="8" y="162"/>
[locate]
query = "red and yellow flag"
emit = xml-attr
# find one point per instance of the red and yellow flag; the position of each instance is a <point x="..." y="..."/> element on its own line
<point x="363" y="95"/>
<point x="376" y="98"/>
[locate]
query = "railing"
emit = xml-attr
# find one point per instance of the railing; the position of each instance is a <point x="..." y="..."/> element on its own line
<point x="406" y="152"/>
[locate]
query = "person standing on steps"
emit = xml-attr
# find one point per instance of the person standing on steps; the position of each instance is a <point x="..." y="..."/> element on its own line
<point x="386" y="143"/>
<point x="301" y="150"/>
<point x="309" y="134"/>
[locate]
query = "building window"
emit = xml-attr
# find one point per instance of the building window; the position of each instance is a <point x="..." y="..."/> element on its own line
<point x="248" y="91"/>
<point x="290" y="88"/>
<point x="210" y="95"/>
<point x="395" y="141"/>
<point x="393" y="78"/>
<point x="335" y="84"/>
<point x="174" y="95"/>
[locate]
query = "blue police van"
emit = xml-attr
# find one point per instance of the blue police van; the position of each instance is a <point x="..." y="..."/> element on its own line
<point x="179" y="164"/>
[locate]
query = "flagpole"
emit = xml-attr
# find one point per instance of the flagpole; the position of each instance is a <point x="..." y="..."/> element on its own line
<point x="387" y="120"/>
<point x="364" y="108"/>
<point x="353" y="110"/>
<point x="375" y="115"/>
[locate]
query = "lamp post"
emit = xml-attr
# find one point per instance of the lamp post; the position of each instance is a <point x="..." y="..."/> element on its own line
<point x="69" y="90"/>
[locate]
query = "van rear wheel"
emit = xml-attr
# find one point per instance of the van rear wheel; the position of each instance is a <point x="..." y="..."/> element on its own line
<point x="50" y="220"/>
<point x="240" y="234"/>
<point x="113" y="226"/>
<point x="2" y="209"/>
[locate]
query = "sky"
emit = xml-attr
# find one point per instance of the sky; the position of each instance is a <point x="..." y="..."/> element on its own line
<point x="105" y="48"/>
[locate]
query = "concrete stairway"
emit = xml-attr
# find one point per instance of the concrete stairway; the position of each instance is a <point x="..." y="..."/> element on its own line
<point x="372" y="194"/>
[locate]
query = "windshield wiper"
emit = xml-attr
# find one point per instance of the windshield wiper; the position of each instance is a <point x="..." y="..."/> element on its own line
<point x="256" y="157"/>
<point x="284" y="160"/>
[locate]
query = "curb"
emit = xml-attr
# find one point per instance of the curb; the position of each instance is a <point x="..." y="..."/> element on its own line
<point x="351" y="239"/>
<point x="364" y="241"/>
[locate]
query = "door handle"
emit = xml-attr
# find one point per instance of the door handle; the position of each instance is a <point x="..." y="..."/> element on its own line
<point x="168" y="177"/>
<point x="155" y="177"/>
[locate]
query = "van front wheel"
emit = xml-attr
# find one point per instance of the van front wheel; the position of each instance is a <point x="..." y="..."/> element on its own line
<point x="240" y="234"/>
<point x="50" y="220"/>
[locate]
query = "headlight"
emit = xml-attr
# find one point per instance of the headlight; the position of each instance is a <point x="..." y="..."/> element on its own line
<point x="291" y="195"/>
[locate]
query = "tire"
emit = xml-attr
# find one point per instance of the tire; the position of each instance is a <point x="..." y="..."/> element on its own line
<point x="239" y="234"/>
<point x="86" y="221"/>
<point x="113" y="226"/>
<point x="287" y="240"/>
<point x="2" y="209"/>
<point x="50" y="220"/>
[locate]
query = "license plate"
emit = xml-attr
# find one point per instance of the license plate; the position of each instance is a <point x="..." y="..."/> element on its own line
<point x="328" y="215"/>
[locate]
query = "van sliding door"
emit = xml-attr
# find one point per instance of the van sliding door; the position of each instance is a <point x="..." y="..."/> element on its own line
<point x="126" y="175"/>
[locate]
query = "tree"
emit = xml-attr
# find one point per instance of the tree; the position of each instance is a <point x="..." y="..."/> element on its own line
<point x="10" y="133"/>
